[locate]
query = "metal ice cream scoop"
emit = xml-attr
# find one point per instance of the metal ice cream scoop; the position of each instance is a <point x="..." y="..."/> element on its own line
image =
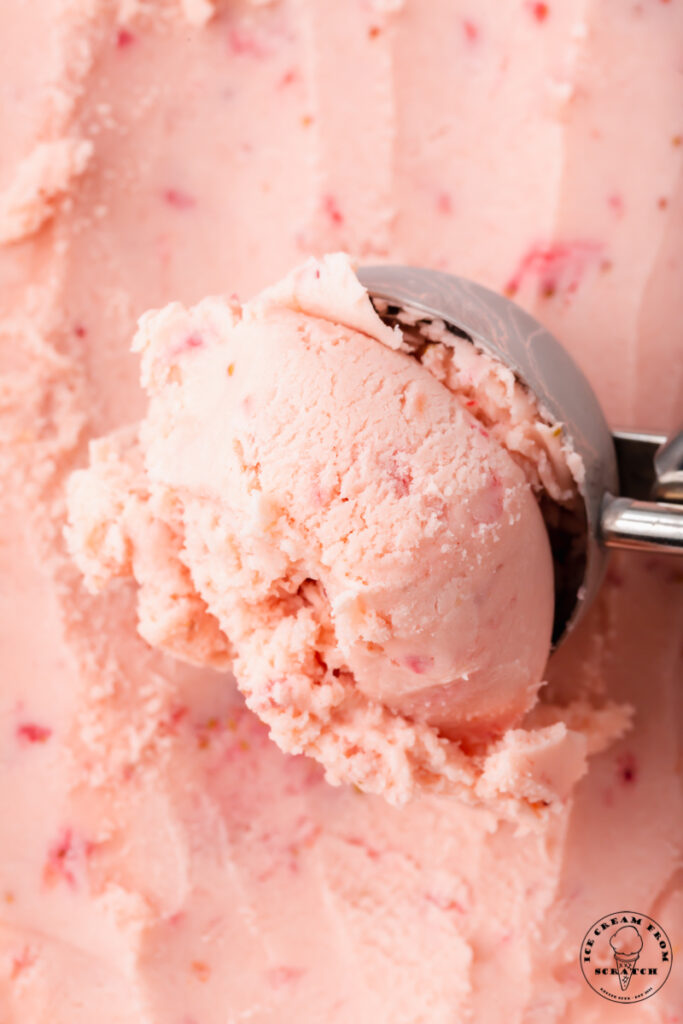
<point x="632" y="493"/>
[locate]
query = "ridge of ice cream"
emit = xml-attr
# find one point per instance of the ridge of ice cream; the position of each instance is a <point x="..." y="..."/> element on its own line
<point x="492" y="394"/>
<point x="307" y="503"/>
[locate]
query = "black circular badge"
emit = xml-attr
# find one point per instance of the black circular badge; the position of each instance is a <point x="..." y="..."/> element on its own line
<point x="626" y="957"/>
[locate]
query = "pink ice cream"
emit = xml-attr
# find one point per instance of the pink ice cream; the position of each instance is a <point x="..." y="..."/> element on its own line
<point x="161" y="859"/>
<point x="340" y="519"/>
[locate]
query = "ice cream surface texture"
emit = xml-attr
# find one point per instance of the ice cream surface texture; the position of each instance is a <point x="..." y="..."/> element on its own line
<point x="376" y="560"/>
<point x="162" y="861"/>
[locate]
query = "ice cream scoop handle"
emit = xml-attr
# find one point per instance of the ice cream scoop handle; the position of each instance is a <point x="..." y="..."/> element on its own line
<point x="650" y="465"/>
<point x="669" y="469"/>
<point x="642" y="525"/>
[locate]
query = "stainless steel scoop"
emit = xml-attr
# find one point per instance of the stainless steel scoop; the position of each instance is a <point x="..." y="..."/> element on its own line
<point x="633" y="487"/>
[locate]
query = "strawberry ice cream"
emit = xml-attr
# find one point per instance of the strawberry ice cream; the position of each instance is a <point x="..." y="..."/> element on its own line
<point x="376" y="561"/>
<point x="161" y="858"/>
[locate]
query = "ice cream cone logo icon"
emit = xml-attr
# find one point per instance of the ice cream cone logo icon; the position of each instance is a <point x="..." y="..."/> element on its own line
<point x="626" y="945"/>
<point x="626" y="957"/>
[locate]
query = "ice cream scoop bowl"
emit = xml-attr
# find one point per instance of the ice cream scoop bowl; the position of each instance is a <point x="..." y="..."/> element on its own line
<point x="620" y="469"/>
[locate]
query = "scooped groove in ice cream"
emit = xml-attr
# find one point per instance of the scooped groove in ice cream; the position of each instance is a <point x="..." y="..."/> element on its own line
<point x="308" y="504"/>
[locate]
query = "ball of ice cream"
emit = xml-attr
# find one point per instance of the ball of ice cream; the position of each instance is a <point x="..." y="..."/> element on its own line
<point x="372" y="557"/>
<point x="626" y="940"/>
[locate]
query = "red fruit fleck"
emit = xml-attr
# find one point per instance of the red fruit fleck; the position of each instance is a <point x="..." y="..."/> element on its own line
<point x="470" y="403"/>
<point x="90" y="848"/>
<point x="332" y="210"/>
<point x="556" y="267"/>
<point x="627" y="768"/>
<point x="616" y="204"/>
<point x="80" y="331"/>
<point x="362" y="844"/>
<point x="60" y="859"/>
<point x="306" y="835"/>
<point x="284" y="975"/>
<point x="418" y="663"/>
<point x="614" y="577"/>
<point x="400" y="475"/>
<point x="170" y="726"/>
<point x="317" y="275"/>
<point x="124" y="38"/>
<point x="201" y="970"/>
<point x="540" y="11"/>
<point x="402" y="478"/>
<point x="245" y="44"/>
<point x="20" y="963"/>
<point x="444" y="203"/>
<point x="178" y="200"/>
<point x="471" y="31"/>
<point x="288" y="78"/>
<point x="444" y="903"/>
<point x="192" y="341"/>
<point x="318" y="497"/>
<point x="31" y="732"/>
